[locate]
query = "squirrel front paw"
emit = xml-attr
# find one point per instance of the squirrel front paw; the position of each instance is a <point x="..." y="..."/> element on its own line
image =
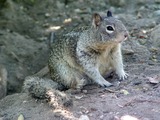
<point x="105" y="83"/>
<point x="123" y="75"/>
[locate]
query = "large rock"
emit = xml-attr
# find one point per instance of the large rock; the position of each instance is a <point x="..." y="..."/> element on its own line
<point x="22" y="56"/>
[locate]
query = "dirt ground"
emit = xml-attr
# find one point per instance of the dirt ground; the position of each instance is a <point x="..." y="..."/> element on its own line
<point x="24" y="30"/>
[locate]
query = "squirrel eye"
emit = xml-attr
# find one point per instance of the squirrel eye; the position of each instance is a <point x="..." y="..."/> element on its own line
<point x="109" y="29"/>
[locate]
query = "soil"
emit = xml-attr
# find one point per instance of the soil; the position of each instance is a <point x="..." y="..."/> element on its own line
<point x="24" y="35"/>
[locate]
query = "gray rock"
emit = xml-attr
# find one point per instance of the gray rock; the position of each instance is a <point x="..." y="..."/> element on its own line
<point x="21" y="57"/>
<point x="118" y="3"/>
<point x="84" y="117"/>
<point x="155" y="36"/>
<point x="3" y="81"/>
<point x="141" y="53"/>
<point x="127" y="19"/>
<point x="157" y="1"/>
<point x="156" y="13"/>
<point x="145" y="23"/>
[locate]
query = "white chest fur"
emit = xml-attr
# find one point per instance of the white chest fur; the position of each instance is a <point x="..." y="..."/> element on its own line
<point x="105" y="60"/>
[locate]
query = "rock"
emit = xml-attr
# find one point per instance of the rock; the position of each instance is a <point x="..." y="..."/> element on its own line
<point x="142" y="41"/>
<point x="128" y="51"/>
<point x="155" y="36"/>
<point x="141" y="2"/>
<point x="84" y="117"/>
<point x="101" y="117"/>
<point x="118" y="3"/>
<point x="2" y="4"/>
<point x="153" y="49"/>
<point x="60" y="5"/>
<point x="144" y="23"/>
<point x="127" y="48"/>
<point x="156" y="13"/>
<point x="47" y="15"/>
<point x="157" y="1"/>
<point x="19" y="55"/>
<point x="127" y="19"/>
<point x="3" y="81"/>
<point x="20" y="117"/>
<point x="128" y="117"/>
<point x="141" y="53"/>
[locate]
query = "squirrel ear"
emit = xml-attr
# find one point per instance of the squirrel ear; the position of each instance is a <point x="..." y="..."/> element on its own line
<point x="109" y="13"/>
<point x="96" y="19"/>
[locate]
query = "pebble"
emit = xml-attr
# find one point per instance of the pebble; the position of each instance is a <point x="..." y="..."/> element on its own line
<point x="20" y="117"/>
<point x="157" y="1"/>
<point x="128" y="51"/>
<point x="142" y="41"/>
<point x="47" y="15"/>
<point x="137" y="83"/>
<point x="101" y="117"/>
<point x="153" y="49"/>
<point x="84" y="91"/>
<point x="154" y="60"/>
<point x="3" y="81"/>
<point x="156" y="13"/>
<point x="155" y="36"/>
<point x="118" y="3"/>
<point x="84" y="117"/>
<point x="128" y="117"/>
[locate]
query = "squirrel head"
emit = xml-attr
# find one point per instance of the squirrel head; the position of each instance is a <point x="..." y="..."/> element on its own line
<point x="109" y="27"/>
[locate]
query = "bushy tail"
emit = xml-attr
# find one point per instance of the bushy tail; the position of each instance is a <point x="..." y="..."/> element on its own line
<point x="43" y="88"/>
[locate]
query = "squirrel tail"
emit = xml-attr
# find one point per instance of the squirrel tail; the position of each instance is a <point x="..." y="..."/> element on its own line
<point x="43" y="88"/>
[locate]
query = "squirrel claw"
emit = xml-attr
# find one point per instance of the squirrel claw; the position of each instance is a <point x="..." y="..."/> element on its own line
<point x="106" y="84"/>
<point x="123" y="76"/>
<point x="110" y="85"/>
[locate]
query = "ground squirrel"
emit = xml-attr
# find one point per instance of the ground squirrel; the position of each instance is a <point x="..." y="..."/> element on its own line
<point x="87" y="55"/>
<point x="94" y="52"/>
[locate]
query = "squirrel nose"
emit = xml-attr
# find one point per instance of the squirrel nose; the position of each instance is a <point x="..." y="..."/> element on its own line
<point x="126" y="35"/>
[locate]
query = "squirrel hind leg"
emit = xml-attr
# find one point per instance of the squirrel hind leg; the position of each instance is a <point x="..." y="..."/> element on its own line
<point x="70" y="77"/>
